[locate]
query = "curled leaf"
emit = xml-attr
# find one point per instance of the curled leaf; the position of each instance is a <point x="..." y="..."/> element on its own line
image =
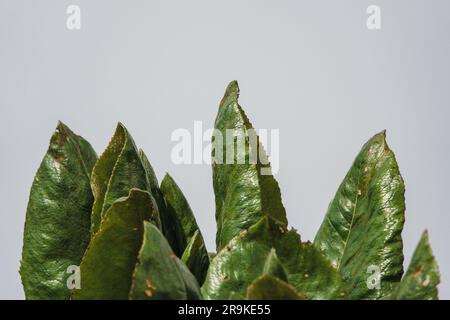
<point x="118" y="170"/>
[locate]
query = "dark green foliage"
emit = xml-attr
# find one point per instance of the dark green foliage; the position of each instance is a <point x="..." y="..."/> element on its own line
<point x="57" y="228"/>
<point x="135" y="239"/>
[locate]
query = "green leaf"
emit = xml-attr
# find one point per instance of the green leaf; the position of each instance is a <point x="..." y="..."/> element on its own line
<point x="363" y="225"/>
<point x="244" y="192"/>
<point x="108" y="264"/>
<point x="118" y="170"/>
<point x="170" y="225"/>
<point x="248" y="255"/>
<point x="312" y="274"/>
<point x="180" y="217"/>
<point x="273" y="266"/>
<point x="159" y="274"/>
<point x="58" y="216"/>
<point x="235" y="296"/>
<point x="154" y="187"/>
<point x="267" y="287"/>
<point x="178" y="205"/>
<point x="422" y="277"/>
<point x="196" y="258"/>
<point x="241" y="261"/>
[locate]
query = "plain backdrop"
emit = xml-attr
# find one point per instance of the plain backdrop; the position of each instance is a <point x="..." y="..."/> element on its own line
<point x="311" y="69"/>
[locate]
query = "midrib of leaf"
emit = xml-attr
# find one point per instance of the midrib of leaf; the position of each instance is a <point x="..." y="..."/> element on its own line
<point x="86" y="172"/>
<point x="352" y="222"/>
<point x="350" y="229"/>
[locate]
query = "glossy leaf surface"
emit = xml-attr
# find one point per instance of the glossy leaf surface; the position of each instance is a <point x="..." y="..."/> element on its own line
<point x="245" y="258"/>
<point x="159" y="273"/>
<point x="267" y="287"/>
<point x="244" y="189"/>
<point x="196" y="257"/>
<point x="107" y="267"/>
<point x="311" y="273"/>
<point x="241" y="261"/>
<point x="180" y="220"/>
<point x="422" y="277"/>
<point x="273" y="266"/>
<point x="153" y="187"/>
<point x="118" y="170"/>
<point x="58" y="216"/>
<point x="363" y="225"/>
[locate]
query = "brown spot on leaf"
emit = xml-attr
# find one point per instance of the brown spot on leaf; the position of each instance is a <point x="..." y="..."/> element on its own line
<point x="148" y="293"/>
<point x="418" y="271"/>
<point x="173" y="256"/>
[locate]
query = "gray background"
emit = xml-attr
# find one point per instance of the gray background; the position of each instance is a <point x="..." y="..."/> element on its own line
<point x="310" y="68"/>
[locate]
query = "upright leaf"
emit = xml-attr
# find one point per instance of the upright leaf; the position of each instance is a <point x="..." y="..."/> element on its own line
<point x="196" y="257"/>
<point x="362" y="228"/>
<point x="108" y="264"/>
<point x="267" y="287"/>
<point x="422" y="277"/>
<point x="159" y="274"/>
<point x="182" y="220"/>
<point x="58" y="216"/>
<point x="118" y="170"/>
<point x="244" y="192"/>
<point x="154" y="188"/>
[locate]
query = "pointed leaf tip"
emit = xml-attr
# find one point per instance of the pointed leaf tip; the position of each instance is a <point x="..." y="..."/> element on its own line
<point x="117" y="170"/>
<point x="231" y="93"/>
<point x="422" y="278"/>
<point x="60" y="124"/>
<point x="381" y="136"/>
<point x="241" y="202"/>
<point x="63" y="129"/>
<point x="233" y="86"/>
<point x="369" y="204"/>
<point x="57" y="223"/>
